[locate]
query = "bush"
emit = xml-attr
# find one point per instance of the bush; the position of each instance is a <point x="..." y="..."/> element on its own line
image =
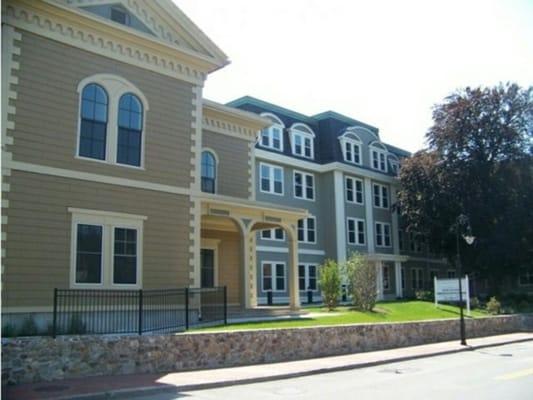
<point x="494" y="306"/>
<point x="361" y="276"/>
<point x="330" y="283"/>
<point x="29" y="327"/>
<point x="9" y="330"/>
<point x="474" y="303"/>
<point x="424" y="295"/>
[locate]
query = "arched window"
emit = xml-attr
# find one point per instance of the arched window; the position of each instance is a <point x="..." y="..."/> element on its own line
<point x="378" y="155"/>
<point x="351" y="146"/>
<point x="93" y="124"/>
<point x="209" y="172"/>
<point x="272" y="137"/>
<point x="130" y="114"/>
<point x="302" y="140"/>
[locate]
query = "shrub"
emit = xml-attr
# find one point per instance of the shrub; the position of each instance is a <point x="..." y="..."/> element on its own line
<point x="361" y="276"/>
<point x="29" y="327"/>
<point x="474" y="303"/>
<point x="494" y="306"/>
<point x="9" y="330"/>
<point x="424" y="295"/>
<point x="330" y="283"/>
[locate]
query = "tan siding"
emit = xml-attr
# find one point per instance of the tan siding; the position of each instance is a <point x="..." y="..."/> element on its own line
<point x="38" y="249"/>
<point x="229" y="262"/>
<point x="233" y="155"/>
<point x="47" y="113"/>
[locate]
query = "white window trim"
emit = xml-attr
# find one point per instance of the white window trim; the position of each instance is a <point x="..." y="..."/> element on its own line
<point x="381" y="196"/>
<point x="419" y="278"/>
<point x="394" y="162"/>
<point x="387" y="275"/>
<point x="355" y="221"/>
<point x="305" y="134"/>
<point x="271" y="179"/>
<point x="215" y="155"/>
<point x="304" y="185"/>
<point x="306" y="276"/>
<point x="380" y="150"/>
<point x="109" y="221"/>
<point x="273" y="276"/>
<point x="383" y="224"/>
<point x="306" y="231"/>
<point x="115" y="86"/>
<point x="276" y="123"/>
<point x="353" y="140"/>
<point x="354" y="180"/>
<point x="272" y="235"/>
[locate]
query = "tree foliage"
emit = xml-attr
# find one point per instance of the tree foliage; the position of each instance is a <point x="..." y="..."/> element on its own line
<point x="361" y="276"/>
<point x="479" y="162"/>
<point x="330" y="283"/>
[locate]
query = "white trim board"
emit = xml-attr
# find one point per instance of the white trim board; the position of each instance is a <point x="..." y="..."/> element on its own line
<point x="276" y="249"/>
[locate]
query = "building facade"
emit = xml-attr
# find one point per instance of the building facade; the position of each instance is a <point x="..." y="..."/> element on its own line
<point x="118" y="174"/>
<point x="339" y="170"/>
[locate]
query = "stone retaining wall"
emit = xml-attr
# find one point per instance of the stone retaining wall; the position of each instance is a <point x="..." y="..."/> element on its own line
<point x="35" y="359"/>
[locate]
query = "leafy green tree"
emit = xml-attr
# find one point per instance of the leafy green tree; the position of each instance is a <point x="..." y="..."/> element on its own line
<point x="330" y="283"/>
<point x="361" y="276"/>
<point x="479" y="162"/>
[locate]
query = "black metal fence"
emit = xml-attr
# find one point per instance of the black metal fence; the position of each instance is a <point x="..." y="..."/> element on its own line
<point x="92" y="311"/>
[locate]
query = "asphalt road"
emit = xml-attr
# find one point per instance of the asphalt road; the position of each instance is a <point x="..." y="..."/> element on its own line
<point x="502" y="373"/>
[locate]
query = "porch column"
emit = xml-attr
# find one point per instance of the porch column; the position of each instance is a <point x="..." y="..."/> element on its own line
<point x="252" y="268"/>
<point x="247" y="267"/>
<point x="398" y="276"/>
<point x="379" y="279"/>
<point x="294" y="294"/>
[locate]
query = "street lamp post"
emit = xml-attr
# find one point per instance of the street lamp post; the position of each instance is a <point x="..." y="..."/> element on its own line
<point x="462" y="220"/>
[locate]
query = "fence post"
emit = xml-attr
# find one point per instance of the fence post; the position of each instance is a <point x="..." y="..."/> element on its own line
<point x="186" y="308"/>
<point x="140" y="312"/>
<point x="225" y="305"/>
<point x="54" y="321"/>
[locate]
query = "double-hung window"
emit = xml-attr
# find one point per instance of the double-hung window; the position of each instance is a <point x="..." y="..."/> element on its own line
<point x="526" y="276"/>
<point x="356" y="231"/>
<point x="378" y="157"/>
<point x="450" y="273"/>
<point x="272" y="137"/>
<point x="354" y="190"/>
<point x="302" y="140"/>
<point x="417" y="278"/>
<point x="106" y="249"/>
<point x="111" y="121"/>
<point x="273" y="276"/>
<point x="383" y="238"/>
<point x="307" y="230"/>
<point x="381" y="196"/>
<point x="386" y="277"/>
<point x="273" y="234"/>
<point x="307" y="277"/>
<point x="304" y="185"/>
<point x="271" y="179"/>
<point x="351" y="147"/>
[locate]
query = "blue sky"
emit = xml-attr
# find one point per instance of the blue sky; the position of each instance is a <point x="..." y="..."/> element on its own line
<point x="382" y="62"/>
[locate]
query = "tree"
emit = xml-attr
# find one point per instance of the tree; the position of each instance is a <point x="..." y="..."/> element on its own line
<point x="479" y="162"/>
<point x="330" y="283"/>
<point x="361" y="276"/>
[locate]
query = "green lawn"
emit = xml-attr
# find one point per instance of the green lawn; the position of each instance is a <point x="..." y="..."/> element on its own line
<point x="393" y="311"/>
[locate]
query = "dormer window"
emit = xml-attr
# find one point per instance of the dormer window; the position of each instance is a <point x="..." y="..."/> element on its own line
<point x="378" y="156"/>
<point x="351" y="148"/>
<point x="119" y="15"/>
<point x="272" y="137"/>
<point x="302" y="141"/>
<point x="394" y="164"/>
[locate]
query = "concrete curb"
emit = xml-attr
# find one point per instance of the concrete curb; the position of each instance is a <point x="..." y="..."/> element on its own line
<point x="148" y="390"/>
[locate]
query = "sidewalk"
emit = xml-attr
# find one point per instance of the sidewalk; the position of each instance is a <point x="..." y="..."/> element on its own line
<point x="127" y="386"/>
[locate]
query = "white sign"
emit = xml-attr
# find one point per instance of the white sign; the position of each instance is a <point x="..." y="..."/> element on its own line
<point x="448" y="290"/>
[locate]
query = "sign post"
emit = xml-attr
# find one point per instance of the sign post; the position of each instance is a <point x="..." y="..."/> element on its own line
<point x="447" y="290"/>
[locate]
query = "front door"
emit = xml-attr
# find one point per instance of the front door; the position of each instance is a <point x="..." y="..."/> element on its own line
<point x="207" y="261"/>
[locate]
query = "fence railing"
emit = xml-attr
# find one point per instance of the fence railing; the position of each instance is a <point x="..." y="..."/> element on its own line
<point x="92" y="311"/>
